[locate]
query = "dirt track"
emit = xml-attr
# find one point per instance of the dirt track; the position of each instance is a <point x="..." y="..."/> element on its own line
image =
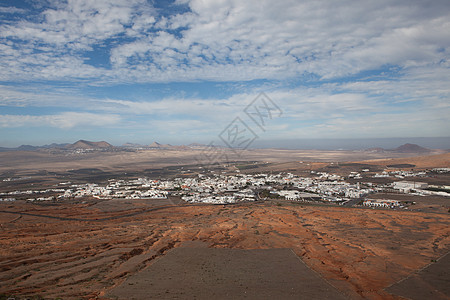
<point x="359" y="251"/>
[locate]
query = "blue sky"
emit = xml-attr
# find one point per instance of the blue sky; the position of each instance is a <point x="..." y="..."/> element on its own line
<point x="181" y="71"/>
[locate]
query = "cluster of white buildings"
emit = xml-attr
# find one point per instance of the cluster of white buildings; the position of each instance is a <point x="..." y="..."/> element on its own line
<point x="294" y="195"/>
<point x="355" y="175"/>
<point x="134" y="189"/>
<point x="441" y="170"/>
<point x="421" y="188"/>
<point x="216" y="198"/>
<point x="16" y="179"/>
<point x="31" y="193"/>
<point x="384" y="203"/>
<point x="399" y="174"/>
<point x="206" y="198"/>
<point x="217" y="188"/>
<point x="407" y="186"/>
<point x="7" y="199"/>
<point x="337" y="188"/>
<point x="225" y="189"/>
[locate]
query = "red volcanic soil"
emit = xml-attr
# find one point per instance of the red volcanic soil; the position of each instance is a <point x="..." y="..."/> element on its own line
<point x="87" y="251"/>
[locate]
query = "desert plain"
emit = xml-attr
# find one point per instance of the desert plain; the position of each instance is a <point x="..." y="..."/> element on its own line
<point x="92" y="249"/>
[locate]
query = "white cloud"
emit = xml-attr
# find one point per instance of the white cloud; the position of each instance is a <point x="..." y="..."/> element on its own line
<point x="231" y="40"/>
<point x="246" y="40"/>
<point x="11" y="10"/>
<point x="329" y="110"/>
<point x="307" y="113"/>
<point x="55" y="48"/>
<point x="65" y="120"/>
<point x="411" y="124"/>
<point x="44" y="95"/>
<point x="205" y="108"/>
<point x="78" y="23"/>
<point x="227" y="40"/>
<point x="419" y="84"/>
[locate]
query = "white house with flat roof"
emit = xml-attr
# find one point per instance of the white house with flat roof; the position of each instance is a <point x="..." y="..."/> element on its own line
<point x="407" y="186"/>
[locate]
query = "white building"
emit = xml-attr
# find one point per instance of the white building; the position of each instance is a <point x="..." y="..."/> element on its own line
<point x="407" y="186"/>
<point x="381" y="203"/>
<point x="289" y="195"/>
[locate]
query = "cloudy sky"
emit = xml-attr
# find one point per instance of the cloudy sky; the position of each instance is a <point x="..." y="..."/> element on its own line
<point x="181" y="71"/>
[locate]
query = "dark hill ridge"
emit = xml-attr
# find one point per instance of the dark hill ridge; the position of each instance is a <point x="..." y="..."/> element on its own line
<point x="27" y="148"/>
<point x="84" y="144"/>
<point x="411" y="148"/>
<point x="406" y="148"/>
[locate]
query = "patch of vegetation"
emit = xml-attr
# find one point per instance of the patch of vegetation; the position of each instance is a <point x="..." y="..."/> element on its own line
<point x="437" y="189"/>
<point x="401" y="166"/>
<point x="332" y="167"/>
<point x="246" y="167"/>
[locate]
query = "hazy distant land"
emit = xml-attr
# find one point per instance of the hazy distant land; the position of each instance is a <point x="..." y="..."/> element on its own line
<point x="64" y="236"/>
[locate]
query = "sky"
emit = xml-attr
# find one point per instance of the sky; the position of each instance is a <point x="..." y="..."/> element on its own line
<point x="181" y="71"/>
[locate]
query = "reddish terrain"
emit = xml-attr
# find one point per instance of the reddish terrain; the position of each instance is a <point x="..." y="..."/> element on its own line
<point x="88" y="251"/>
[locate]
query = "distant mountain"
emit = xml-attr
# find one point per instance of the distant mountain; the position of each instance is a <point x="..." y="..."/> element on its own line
<point x="83" y="144"/>
<point x="34" y="148"/>
<point x="27" y="148"/>
<point x="20" y="148"/>
<point x="406" y="148"/>
<point x="411" y="148"/>
<point x="155" y="145"/>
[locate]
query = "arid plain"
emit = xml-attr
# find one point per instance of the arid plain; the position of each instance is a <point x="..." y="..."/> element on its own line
<point x="85" y="249"/>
